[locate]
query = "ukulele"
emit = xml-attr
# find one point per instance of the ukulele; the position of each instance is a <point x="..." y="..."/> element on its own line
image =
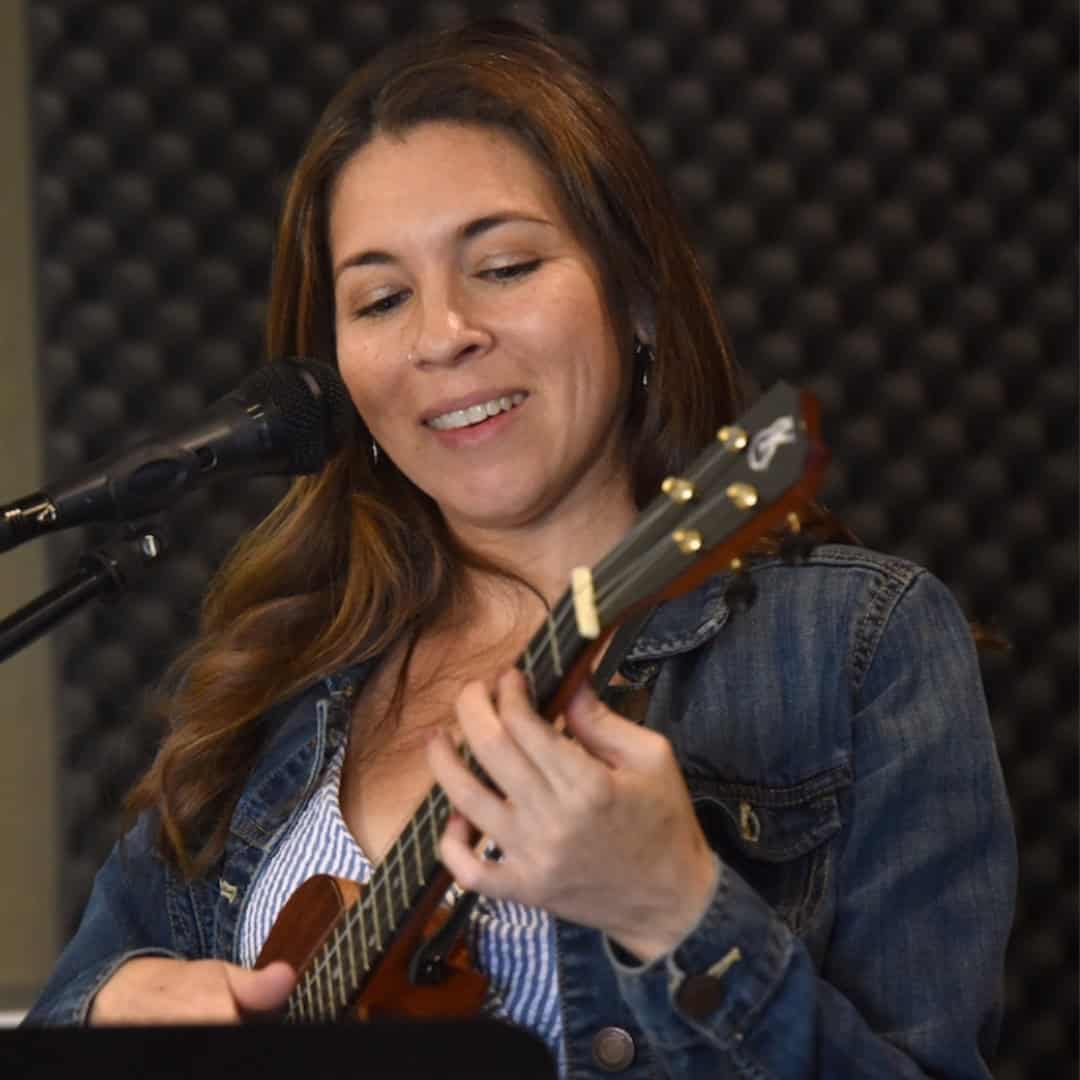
<point x="354" y="946"/>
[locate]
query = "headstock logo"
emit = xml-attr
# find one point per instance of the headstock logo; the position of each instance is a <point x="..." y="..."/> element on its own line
<point x="768" y="440"/>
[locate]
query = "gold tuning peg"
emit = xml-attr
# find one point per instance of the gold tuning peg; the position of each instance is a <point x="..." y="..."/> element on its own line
<point x="687" y="540"/>
<point x="733" y="437"/>
<point x="677" y="489"/>
<point x="743" y="495"/>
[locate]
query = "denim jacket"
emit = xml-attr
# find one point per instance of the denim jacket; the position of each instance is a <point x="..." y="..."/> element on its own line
<point x="835" y="741"/>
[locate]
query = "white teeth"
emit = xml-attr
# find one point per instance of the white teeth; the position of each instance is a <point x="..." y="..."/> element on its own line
<point x="474" y="414"/>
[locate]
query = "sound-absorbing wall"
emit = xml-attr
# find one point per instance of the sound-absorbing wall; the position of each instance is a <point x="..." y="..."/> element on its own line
<point x="883" y="190"/>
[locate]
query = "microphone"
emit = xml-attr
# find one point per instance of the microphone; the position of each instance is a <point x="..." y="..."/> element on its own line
<point x="287" y="419"/>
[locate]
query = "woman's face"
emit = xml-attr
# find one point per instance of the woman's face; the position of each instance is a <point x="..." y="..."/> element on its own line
<point x="472" y="331"/>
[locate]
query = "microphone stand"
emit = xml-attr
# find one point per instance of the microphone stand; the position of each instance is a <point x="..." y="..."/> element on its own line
<point x="105" y="571"/>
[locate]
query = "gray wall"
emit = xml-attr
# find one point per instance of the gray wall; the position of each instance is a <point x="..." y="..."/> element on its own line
<point x="28" y="835"/>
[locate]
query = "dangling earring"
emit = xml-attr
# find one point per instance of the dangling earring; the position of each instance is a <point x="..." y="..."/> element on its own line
<point x="374" y="454"/>
<point x="643" y="360"/>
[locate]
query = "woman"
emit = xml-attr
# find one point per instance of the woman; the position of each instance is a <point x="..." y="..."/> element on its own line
<point x="801" y="862"/>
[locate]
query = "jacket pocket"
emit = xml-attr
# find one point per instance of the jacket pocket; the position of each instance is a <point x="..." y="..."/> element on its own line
<point x="777" y="838"/>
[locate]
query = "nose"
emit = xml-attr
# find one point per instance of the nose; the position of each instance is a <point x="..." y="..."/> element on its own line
<point x="445" y="331"/>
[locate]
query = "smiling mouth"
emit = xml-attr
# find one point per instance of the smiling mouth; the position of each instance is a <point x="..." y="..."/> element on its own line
<point x="476" y="414"/>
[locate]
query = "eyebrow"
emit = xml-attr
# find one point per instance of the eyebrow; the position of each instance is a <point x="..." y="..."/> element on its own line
<point x="471" y="231"/>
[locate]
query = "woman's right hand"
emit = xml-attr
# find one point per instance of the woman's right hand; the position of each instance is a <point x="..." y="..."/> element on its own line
<point x="164" y="990"/>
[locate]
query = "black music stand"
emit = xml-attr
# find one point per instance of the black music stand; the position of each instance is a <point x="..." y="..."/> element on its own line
<point x="477" y="1049"/>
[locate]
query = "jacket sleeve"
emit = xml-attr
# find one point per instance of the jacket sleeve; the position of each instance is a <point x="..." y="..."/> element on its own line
<point x="911" y="984"/>
<point x="132" y="911"/>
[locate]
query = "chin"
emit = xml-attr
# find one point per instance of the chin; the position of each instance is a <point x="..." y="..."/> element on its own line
<point x="493" y="512"/>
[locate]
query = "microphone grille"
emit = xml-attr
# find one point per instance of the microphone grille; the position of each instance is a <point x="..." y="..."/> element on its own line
<point x="314" y="412"/>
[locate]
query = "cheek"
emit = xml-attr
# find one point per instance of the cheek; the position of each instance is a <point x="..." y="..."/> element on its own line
<point x="364" y="379"/>
<point x="575" y="334"/>
<point x="591" y="340"/>
<point x="352" y="373"/>
<point x="371" y="358"/>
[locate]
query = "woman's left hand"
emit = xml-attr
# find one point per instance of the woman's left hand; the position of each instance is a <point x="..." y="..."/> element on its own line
<point x="599" y="830"/>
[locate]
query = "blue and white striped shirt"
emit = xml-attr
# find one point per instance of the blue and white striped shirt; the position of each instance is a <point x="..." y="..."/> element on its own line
<point x="512" y="944"/>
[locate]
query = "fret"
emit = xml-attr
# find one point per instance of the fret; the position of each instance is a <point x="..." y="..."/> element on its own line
<point x="545" y="658"/>
<point x="391" y="882"/>
<point x="331" y="995"/>
<point x="317" y="1004"/>
<point x="353" y="973"/>
<point x="334" y="988"/>
<point x="404" y="877"/>
<point x="542" y="676"/>
<point x="553" y="645"/>
<point x="434" y="824"/>
<point x="527" y="662"/>
<point x="441" y="804"/>
<point x="388" y="884"/>
<point x="373" y="893"/>
<point x="420" y="879"/>
<point x="343" y="989"/>
<point x="359" y="919"/>
<point x="305" y="999"/>
<point x="326" y="995"/>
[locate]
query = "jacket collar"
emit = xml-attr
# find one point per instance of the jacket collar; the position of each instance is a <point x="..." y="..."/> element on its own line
<point x="683" y="624"/>
<point x="303" y="732"/>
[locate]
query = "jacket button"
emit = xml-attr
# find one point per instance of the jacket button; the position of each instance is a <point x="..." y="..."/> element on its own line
<point x="613" y="1049"/>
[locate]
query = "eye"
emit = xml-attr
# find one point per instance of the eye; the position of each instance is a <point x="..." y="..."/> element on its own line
<point x="382" y="306"/>
<point x="510" y="271"/>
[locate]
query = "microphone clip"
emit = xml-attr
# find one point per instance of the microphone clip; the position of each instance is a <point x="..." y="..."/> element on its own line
<point x="106" y="571"/>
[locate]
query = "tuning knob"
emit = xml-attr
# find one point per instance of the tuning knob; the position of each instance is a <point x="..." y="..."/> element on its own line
<point x="733" y="437"/>
<point x="688" y="541"/>
<point x="677" y="489"/>
<point x="743" y="496"/>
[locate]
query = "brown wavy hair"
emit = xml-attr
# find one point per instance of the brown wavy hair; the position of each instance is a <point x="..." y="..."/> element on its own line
<point x="356" y="558"/>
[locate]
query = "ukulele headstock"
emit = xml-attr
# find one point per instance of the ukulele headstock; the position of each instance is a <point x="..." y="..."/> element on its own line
<point x="755" y="480"/>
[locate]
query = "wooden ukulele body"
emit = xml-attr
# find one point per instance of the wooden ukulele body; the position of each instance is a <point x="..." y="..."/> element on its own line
<point x="311" y="913"/>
